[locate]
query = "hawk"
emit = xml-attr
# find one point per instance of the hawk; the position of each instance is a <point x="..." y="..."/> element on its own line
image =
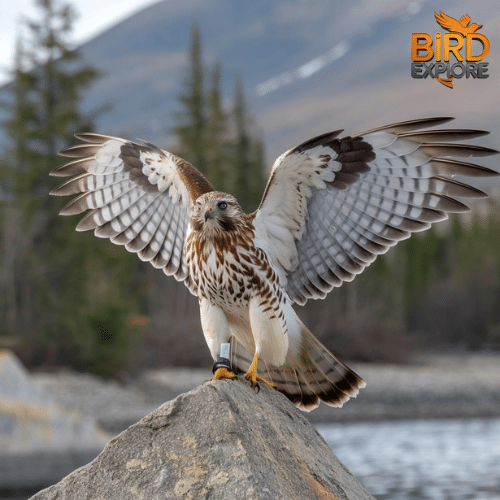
<point x="331" y="205"/>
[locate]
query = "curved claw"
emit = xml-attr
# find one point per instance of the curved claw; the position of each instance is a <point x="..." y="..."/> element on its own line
<point x="251" y="374"/>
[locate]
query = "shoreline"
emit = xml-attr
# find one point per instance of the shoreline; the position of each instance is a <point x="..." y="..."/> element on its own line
<point x="463" y="385"/>
<point x="438" y="386"/>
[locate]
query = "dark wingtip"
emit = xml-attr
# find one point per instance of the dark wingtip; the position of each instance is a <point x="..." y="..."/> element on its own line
<point x="323" y="139"/>
<point x="410" y="125"/>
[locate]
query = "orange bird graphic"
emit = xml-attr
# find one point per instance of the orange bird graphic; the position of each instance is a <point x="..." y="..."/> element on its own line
<point x="463" y="27"/>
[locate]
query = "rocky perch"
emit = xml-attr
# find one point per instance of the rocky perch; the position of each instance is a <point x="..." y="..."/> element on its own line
<point x="222" y="440"/>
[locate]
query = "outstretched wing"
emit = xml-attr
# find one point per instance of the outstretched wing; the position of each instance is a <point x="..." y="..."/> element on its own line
<point x="447" y="22"/>
<point x="465" y="20"/>
<point x="138" y="196"/>
<point x="333" y="204"/>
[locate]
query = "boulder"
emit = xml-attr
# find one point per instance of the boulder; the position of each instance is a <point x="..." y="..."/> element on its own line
<point x="40" y="442"/>
<point x="222" y="440"/>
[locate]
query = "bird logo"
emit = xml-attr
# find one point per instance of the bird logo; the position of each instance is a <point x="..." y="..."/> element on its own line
<point x="431" y="57"/>
<point x="462" y="26"/>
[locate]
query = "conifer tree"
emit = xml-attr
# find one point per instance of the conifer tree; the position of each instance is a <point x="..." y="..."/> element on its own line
<point x="64" y="302"/>
<point x="222" y="145"/>
<point x="216" y="136"/>
<point x="20" y="112"/>
<point x="248" y="156"/>
<point x="192" y="119"/>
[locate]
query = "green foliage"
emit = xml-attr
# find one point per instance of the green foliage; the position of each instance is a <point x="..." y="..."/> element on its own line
<point x="449" y="282"/>
<point x="423" y="258"/>
<point x="248" y="155"/>
<point x="192" y="119"/>
<point x="65" y="295"/>
<point x="221" y="144"/>
<point x="102" y="333"/>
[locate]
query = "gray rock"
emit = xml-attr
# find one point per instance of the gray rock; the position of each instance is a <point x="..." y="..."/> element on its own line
<point x="40" y="441"/>
<point x="223" y="440"/>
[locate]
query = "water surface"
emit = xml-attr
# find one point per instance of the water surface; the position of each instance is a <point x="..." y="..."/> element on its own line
<point x="421" y="459"/>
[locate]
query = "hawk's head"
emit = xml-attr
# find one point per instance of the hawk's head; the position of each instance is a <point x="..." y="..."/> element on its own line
<point x="216" y="212"/>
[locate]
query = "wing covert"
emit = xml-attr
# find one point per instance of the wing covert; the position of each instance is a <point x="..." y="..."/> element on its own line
<point x="333" y="204"/>
<point x="135" y="194"/>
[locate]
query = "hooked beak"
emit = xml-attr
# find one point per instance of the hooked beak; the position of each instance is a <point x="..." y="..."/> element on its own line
<point x="209" y="213"/>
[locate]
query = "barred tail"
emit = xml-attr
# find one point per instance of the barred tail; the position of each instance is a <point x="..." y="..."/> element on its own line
<point x="308" y="376"/>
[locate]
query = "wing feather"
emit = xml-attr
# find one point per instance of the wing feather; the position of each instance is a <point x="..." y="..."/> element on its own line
<point x="155" y="243"/>
<point x="119" y="222"/>
<point x="135" y="194"/>
<point x="334" y="203"/>
<point x="131" y="232"/>
<point x="137" y="236"/>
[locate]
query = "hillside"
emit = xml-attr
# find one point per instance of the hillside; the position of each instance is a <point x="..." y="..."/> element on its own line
<point x="307" y="66"/>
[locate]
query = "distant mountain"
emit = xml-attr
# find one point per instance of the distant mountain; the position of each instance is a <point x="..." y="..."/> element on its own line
<point x="308" y="66"/>
<point x="145" y="57"/>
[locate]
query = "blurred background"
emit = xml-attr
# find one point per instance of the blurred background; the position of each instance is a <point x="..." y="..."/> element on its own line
<point x="230" y="86"/>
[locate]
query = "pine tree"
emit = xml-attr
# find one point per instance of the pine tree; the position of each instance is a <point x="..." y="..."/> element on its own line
<point x="192" y="119"/>
<point x="216" y="137"/>
<point x="248" y="156"/>
<point x="65" y="302"/>
<point x="222" y="145"/>
<point x="20" y="111"/>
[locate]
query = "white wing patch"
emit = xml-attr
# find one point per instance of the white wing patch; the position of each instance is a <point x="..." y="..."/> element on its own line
<point x="332" y="205"/>
<point x="280" y="222"/>
<point x="161" y="172"/>
<point x="138" y="196"/>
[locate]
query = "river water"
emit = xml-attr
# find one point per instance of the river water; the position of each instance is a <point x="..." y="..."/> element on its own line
<point x="421" y="459"/>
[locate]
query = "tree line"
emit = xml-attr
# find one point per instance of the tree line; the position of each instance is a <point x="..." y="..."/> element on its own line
<point x="71" y="299"/>
<point x="223" y="145"/>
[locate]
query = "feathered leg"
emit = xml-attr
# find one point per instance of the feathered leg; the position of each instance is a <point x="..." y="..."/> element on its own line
<point x="314" y="374"/>
<point x="216" y="332"/>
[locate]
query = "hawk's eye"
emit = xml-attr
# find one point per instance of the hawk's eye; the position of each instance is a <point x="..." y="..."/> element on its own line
<point x="222" y="205"/>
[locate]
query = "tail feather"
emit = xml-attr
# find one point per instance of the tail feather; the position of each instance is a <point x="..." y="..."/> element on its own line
<point x="336" y="373"/>
<point x="306" y="378"/>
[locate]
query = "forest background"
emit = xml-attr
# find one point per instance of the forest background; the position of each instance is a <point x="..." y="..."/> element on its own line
<point x="70" y="299"/>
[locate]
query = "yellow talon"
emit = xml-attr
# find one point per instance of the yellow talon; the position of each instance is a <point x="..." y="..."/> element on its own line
<point x="222" y="372"/>
<point x="251" y="374"/>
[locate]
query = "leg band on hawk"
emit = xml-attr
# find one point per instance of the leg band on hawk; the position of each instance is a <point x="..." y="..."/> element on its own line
<point x="223" y="358"/>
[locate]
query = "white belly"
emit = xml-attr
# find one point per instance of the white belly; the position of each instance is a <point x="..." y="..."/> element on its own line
<point x="243" y="293"/>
